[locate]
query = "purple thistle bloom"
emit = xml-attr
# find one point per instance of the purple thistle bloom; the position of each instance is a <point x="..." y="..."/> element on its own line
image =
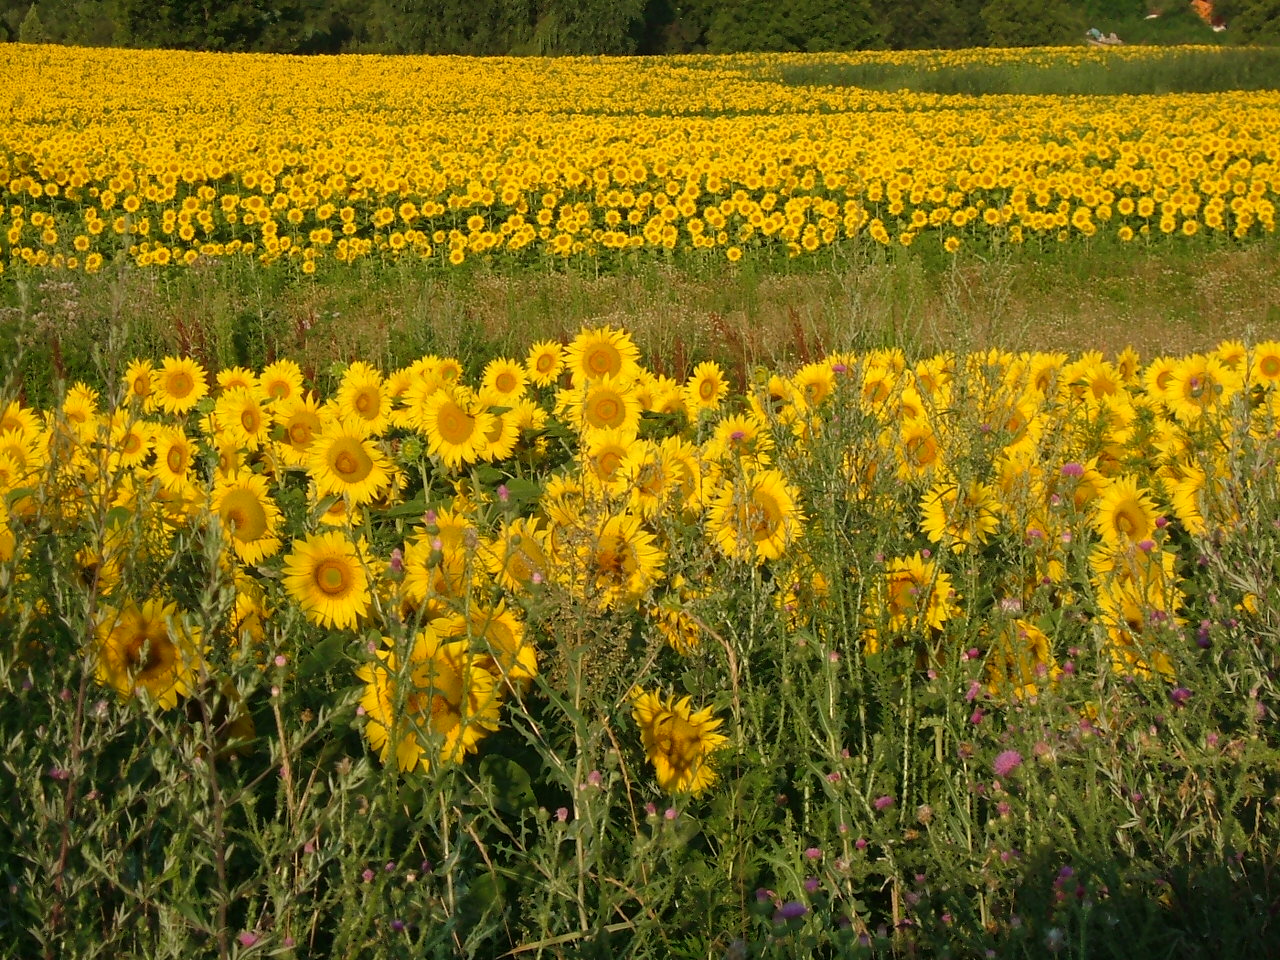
<point x="1180" y="695"/>
<point x="882" y="803"/>
<point x="1006" y="762"/>
<point x="789" y="911"/>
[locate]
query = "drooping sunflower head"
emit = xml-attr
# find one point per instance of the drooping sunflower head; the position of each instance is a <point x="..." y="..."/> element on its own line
<point x="249" y="516"/>
<point x="679" y="742"/>
<point x="755" y="517"/>
<point x="433" y="706"/>
<point x="148" y="649"/>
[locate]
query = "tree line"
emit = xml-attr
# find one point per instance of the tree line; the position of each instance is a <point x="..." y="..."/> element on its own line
<point x="585" y="27"/>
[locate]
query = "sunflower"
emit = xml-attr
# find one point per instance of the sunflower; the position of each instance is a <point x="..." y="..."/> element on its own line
<point x="1189" y="492"/>
<point x="148" y="649"/>
<point x="139" y="379"/>
<point x="298" y="419"/>
<point x="755" y="517"/>
<point x="814" y="382"/>
<point x="8" y="542"/>
<point x="740" y="438"/>
<point x="606" y="403"/>
<point x="651" y="477"/>
<point x="281" y="380"/>
<point x="706" y="388"/>
<point x="237" y="378"/>
<point x="454" y="432"/>
<point x="545" y="362"/>
<point x="1138" y="602"/>
<point x="432" y="707"/>
<point x="345" y="464"/>
<point x="248" y="515"/>
<point x="673" y="620"/>
<point x="1201" y="384"/>
<point x="497" y="636"/>
<point x="961" y="514"/>
<point x="917" y="449"/>
<point x="241" y="418"/>
<point x="439" y="563"/>
<point x="362" y="399"/>
<point x="502" y="436"/>
<point x="603" y="455"/>
<point x="662" y="395"/>
<point x="678" y="742"/>
<point x="618" y="562"/>
<point x="1021" y="661"/>
<point x="179" y="385"/>
<point x="80" y="411"/>
<point x="175" y="453"/>
<point x="248" y="617"/>
<point x="517" y="557"/>
<point x="326" y="576"/>
<point x="1265" y="368"/>
<point x="913" y="594"/>
<point x="602" y="352"/>
<point x="504" y="379"/>
<point x="130" y="441"/>
<point x="1125" y="513"/>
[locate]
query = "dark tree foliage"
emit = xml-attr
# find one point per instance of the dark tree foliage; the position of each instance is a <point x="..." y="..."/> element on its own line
<point x="801" y="25"/>
<point x="1257" y="21"/>
<point x="586" y="27"/>
<point x="1032" y="23"/>
<point x="935" y="24"/>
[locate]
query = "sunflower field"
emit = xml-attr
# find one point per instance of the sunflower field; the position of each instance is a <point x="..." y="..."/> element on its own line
<point x="972" y="655"/>
<point x="166" y="158"/>
<point x="339" y="618"/>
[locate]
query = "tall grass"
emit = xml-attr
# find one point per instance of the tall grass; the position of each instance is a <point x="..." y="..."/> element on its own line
<point x="1100" y="295"/>
<point x="1172" y="71"/>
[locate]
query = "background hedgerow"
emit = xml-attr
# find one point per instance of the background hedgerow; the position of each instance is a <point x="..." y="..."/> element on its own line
<point x="979" y="653"/>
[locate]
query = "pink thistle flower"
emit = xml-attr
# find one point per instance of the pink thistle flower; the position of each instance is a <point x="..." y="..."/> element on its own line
<point x="1006" y="762"/>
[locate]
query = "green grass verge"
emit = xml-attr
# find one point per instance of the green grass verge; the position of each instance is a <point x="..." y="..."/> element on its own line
<point x="1162" y="298"/>
<point x="1178" y="71"/>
